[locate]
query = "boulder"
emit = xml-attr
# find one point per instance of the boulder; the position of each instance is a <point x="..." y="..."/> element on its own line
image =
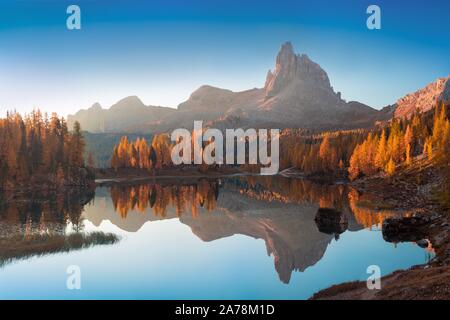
<point x="423" y="243"/>
<point x="404" y="228"/>
<point x="331" y="221"/>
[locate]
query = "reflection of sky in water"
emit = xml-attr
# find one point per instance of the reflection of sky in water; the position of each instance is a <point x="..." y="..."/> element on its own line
<point x="164" y="259"/>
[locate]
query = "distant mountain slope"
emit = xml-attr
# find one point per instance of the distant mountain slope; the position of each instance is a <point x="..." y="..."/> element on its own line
<point x="123" y="115"/>
<point x="100" y="145"/>
<point x="210" y="99"/>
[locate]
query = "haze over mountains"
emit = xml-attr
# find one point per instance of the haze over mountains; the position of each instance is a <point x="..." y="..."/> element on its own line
<point x="297" y="94"/>
<point x="125" y="114"/>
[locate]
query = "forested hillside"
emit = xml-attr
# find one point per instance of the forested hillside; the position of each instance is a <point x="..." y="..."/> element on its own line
<point x="352" y="153"/>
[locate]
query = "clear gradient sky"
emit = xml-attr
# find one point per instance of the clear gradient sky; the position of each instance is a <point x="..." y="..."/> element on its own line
<point x="162" y="50"/>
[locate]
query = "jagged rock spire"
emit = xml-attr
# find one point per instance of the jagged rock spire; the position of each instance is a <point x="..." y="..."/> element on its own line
<point x="291" y="68"/>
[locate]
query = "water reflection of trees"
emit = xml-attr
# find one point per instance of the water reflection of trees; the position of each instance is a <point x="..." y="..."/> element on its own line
<point x="204" y="193"/>
<point x="28" y="214"/>
<point x="184" y="198"/>
<point x="279" y="210"/>
<point x="19" y="247"/>
<point x="187" y="199"/>
<point x="370" y="212"/>
<point x="367" y="209"/>
<point x="292" y="190"/>
<point x="33" y="225"/>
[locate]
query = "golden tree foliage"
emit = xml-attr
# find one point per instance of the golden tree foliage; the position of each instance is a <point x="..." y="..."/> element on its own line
<point x="325" y="153"/>
<point x="35" y="145"/>
<point x="390" y="167"/>
<point x="185" y="198"/>
<point x="362" y="152"/>
<point x="139" y="154"/>
<point x="400" y="141"/>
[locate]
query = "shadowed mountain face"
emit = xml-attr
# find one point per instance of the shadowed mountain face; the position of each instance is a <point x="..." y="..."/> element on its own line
<point x="297" y="93"/>
<point x="279" y="211"/>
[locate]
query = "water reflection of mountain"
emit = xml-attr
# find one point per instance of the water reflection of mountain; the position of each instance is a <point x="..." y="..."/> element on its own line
<point x="291" y="236"/>
<point x="32" y="226"/>
<point x="280" y="211"/>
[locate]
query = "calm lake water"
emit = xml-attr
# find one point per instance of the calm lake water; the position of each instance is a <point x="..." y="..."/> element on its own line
<point x="240" y="238"/>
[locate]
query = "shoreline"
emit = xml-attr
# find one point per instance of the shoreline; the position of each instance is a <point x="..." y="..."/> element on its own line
<point x="427" y="281"/>
<point x="400" y="192"/>
<point x="109" y="176"/>
<point x="106" y="176"/>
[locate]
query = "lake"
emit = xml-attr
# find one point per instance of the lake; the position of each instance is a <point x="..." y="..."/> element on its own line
<point x="229" y="238"/>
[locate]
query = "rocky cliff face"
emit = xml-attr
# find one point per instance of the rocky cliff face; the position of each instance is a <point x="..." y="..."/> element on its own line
<point x="297" y="93"/>
<point x="295" y="70"/>
<point x="424" y="99"/>
<point x="445" y="95"/>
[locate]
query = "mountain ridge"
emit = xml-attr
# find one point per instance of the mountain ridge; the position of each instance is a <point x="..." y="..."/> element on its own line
<point x="127" y="112"/>
<point x="423" y="99"/>
<point x="297" y="94"/>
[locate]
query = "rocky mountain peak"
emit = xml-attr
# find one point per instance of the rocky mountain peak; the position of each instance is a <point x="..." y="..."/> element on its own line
<point x="424" y="99"/>
<point x="131" y="101"/>
<point x="291" y="68"/>
<point x="286" y="56"/>
<point x="445" y="95"/>
<point x="96" y="107"/>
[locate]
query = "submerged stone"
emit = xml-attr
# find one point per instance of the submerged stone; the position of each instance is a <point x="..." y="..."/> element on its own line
<point x="404" y="229"/>
<point x="331" y="221"/>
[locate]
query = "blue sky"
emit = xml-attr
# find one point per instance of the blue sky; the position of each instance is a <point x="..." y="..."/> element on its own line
<point x="163" y="50"/>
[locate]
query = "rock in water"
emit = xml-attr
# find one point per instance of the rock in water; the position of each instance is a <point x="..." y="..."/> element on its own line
<point x="422" y="243"/>
<point x="404" y="229"/>
<point x="331" y="221"/>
